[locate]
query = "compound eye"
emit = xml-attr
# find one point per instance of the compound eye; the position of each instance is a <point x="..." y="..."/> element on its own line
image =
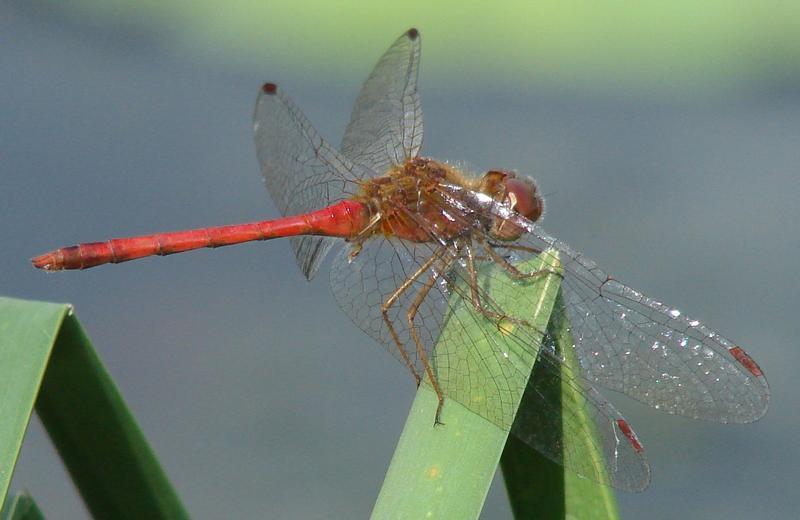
<point x="524" y="198"/>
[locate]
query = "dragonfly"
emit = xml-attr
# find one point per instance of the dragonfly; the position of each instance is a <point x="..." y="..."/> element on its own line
<point x="416" y="237"/>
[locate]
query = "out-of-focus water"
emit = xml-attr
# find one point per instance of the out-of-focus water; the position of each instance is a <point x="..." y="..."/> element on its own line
<point x="692" y="200"/>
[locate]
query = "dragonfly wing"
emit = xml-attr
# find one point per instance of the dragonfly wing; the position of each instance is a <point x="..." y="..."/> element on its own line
<point x="570" y="423"/>
<point x="363" y="284"/>
<point x="386" y="124"/>
<point x="302" y="171"/>
<point x="649" y="351"/>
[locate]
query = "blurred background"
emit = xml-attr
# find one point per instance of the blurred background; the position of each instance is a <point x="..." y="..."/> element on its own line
<point x="665" y="136"/>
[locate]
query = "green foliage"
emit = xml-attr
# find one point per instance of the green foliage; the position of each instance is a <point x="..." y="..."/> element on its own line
<point x="21" y="507"/>
<point x="46" y="360"/>
<point x="650" y="44"/>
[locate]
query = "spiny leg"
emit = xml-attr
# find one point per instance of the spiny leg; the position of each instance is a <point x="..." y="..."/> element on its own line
<point x="358" y="240"/>
<point x="508" y="266"/>
<point x="392" y="299"/>
<point x="476" y="298"/>
<point x="512" y="247"/>
<point x="423" y="357"/>
<point x="373" y="223"/>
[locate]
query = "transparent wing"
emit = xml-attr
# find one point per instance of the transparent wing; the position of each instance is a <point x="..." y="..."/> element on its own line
<point x="579" y="430"/>
<point x="302" y="172"/>
<point x="386" y="124"/>
<point x="649" y="351"/>
<point x="476" y="361"/>
<point x="362" y="285"/>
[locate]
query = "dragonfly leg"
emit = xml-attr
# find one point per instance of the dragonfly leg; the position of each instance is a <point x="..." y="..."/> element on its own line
<point x="513" y="247"/>
<point x="369" y="228"/>
<point x="509" y="267"/>
<point x="358" y="241"/>
<point x="476" y="298"/>
<point x="392" y="299"/>
<point x="421" y="354"/>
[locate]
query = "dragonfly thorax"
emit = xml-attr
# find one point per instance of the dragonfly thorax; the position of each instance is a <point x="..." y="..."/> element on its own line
<point x="424" y="200"/>
<point x="411" y="194"/>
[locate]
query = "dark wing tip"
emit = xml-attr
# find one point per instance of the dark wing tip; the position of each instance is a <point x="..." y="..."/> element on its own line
<point x="269" y="88"/>
<point x="412" y="33"/>
<point x="746" y="361"/>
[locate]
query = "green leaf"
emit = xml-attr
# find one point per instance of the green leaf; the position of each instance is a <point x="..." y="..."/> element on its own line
<point x="538" y="487"/>
<point x="46" y="359"/>
<point x="21" y="507"/>
<point x="446" y="471"/>
<point x="27" y="333"/>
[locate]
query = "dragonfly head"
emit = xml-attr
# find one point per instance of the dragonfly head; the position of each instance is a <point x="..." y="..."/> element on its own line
<point x="519" y="194"/>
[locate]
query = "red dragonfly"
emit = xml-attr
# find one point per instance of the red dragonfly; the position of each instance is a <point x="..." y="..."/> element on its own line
<point x="417" y="235"/>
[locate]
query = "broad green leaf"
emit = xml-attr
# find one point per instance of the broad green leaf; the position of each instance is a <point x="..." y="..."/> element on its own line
<point x="46" y="359"/>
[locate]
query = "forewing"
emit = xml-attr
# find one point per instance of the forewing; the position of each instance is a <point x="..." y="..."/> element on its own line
<point x="386" y="124"/>
<point x="302" y="172"/>
<point x="633" y="344"/>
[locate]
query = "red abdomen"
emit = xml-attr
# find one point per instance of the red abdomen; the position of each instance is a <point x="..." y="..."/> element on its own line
<point x="344" y="219"/>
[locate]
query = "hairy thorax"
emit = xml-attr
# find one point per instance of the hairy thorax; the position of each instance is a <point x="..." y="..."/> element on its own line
<point x="408" y="201"/>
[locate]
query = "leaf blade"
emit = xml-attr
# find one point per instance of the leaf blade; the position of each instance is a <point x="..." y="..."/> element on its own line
<point x="28" y="331"/>
<point x="63" y="379"/>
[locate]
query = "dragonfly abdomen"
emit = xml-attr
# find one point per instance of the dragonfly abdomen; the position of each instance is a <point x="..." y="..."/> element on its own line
<point x="344" y="219"/>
